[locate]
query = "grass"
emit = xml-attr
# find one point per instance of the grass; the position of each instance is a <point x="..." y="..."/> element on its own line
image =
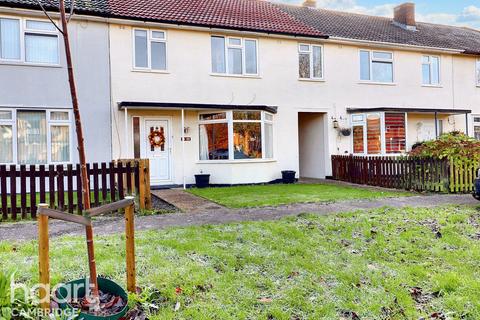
<point x="382" y="264"/>
<point x="281" y="194"/>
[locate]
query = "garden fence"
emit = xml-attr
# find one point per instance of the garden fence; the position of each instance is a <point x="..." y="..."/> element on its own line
<point x="409" y="173"/>
<point x="23" y="187"/>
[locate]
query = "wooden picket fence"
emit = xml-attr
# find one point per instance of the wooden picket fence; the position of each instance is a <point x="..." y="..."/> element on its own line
<point x="22" y="187"/>
<point x="409" y="173"/>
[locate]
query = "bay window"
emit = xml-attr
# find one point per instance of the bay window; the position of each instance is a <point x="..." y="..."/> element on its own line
<point x="35" y="136"/>
<point x="150" y="49"/>
<point x="31" y="41"/>
<point x="310" y="61"/>
<point x="235" y="135"/>
<point x="379" y="133"/>
<point x="376" y="66"/>
<point x="476" y="127"/>
<point x="235" y="56"/>
<point x="431" y="70"/>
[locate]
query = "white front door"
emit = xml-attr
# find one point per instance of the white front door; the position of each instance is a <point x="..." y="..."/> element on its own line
<point x="159" y="152"/>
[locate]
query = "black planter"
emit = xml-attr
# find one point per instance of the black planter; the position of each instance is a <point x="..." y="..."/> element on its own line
<point x="288" y="176"/>
<point x="476" y="194"/>
<point x="202" y="180"/>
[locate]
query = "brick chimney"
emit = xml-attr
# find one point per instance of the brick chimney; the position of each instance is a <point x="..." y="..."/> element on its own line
<point x="404" y="15"/>
<point x="310" y="3"/>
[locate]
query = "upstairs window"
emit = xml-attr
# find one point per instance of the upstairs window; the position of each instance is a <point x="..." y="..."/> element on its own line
<point x="477" y="72"/>
<point x="235" y="56"/>
<point x="310" y="61"/>
<point x="150" y="49"/>
<point x="40" y="41"/>
<point x="376" y="66"/>
<point x="430" y="70"/>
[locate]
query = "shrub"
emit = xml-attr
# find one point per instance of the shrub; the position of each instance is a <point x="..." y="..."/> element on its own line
<point x="454" y="146"/>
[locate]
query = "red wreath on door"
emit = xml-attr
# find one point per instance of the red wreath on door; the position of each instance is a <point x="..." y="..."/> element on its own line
<point x="157" y="138"/>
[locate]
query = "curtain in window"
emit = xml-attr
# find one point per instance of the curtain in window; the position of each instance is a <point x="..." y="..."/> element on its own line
<point x="159" y="56"/>
<point x="304" y="65"/>
<point x="218" y="55"/>
<point x="373" y="134"/>
<point x="317" y="61"/>
<point x="203" y="143"/>
<point x="476" y="131"/>
<point x="10" y="39"/>
<point x="395" y="140"/>
<point x="250" y="56"/>
<point x="6" y="144"/>
<point x="60" y="143"/>
<point x="141" y="53"/>
<point x="358" y="142"/>
<point x="268" y="140"/>
<point x="235" y="61"/>
<point x="41" y="48"/>
<point x="32" y="137"/>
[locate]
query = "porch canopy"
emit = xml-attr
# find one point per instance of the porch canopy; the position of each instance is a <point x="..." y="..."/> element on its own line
<point x="192" y="106"/>
<point x="435" y="112"/>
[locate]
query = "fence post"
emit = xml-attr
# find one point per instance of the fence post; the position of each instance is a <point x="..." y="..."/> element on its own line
<point x="130" y="245"/>
<point x="148" y="196"/>
<point x="43" y="259"/>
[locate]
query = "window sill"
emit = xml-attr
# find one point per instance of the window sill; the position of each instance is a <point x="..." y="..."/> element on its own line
<point x="244" y="76"/>
<point x="28" y="64"/>
<point x="432" y="86"/>
<point x="150" y="71"/>
<point x="311" y="80"/>
<point x="378" y="83"/>
<point x="235" y="161"/>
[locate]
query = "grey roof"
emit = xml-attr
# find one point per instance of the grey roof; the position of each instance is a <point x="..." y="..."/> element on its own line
<point x="89" y="7"/>
<point x="381" y="29"/>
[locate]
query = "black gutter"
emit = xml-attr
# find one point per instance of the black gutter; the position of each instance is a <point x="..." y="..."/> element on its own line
<point x="412" y="110"/>
<point x="168" y="105"/>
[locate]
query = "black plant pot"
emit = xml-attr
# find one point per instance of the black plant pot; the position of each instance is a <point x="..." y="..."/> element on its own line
<point x="476" y="194"/>
<point x="202" y="180"/>
<point x="288" y="176"/>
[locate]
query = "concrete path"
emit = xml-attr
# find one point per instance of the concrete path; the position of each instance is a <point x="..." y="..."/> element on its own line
<point x="113" y="225"/>
<point x="185" y="201"/>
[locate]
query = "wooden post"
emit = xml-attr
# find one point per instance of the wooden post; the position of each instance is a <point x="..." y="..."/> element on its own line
<point x="148" y="195"/>
<point x="141" y="184"/>
<point x="130" y="245"/>
<point x="43" y="259"/>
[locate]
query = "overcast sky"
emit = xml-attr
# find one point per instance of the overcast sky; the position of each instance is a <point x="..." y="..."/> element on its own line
<point x="458" y="12"/>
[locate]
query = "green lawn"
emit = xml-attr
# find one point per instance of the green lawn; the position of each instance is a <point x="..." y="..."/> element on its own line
<point x="280" y="194"/>
<point x="383" y="264"/>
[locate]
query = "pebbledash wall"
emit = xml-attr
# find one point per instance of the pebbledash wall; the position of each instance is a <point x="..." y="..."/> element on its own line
<point x="188" y="79"/>
<point x="41" y="87"/>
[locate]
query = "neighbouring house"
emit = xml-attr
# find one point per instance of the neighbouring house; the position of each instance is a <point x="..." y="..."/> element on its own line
<point x="239" y="89"/>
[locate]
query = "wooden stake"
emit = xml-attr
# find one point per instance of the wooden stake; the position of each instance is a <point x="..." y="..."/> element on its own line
<point x="43" y="259"/>
<point x="141" y="184"/>
<point x="81" y="152"/>
<point x="130" y="245"/>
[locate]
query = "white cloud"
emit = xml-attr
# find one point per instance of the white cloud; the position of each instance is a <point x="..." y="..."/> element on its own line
<point x="470" y="16"/>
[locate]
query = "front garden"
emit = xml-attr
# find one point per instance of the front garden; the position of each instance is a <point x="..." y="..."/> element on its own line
<point x="281" y="194"/>
<point x="383" y="264"/>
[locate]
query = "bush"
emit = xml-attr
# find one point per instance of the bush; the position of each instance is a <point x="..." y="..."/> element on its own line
<point x="454" y="146"/>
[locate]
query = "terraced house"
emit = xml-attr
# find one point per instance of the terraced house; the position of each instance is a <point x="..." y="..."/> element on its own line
<point x="239" y="89"/>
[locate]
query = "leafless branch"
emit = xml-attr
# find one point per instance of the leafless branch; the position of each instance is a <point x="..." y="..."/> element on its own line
<point x="72" y="8"/>
<point x="48" y="16"/>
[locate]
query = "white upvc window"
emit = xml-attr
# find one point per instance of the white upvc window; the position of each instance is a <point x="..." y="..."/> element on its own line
<point x="376" y="66"/>
<point x="379" y="133"/>
<point x="431" y="70"/>
<point x="476" y="126"/>
<point x="234" y="56"/>
<point x="33" y="136"/>
<point x="310" y="61"/>
<point x="30" y="41"/>
<point x="150" y="49"/>
<point x="235" y="135"/>
<point x="477" y="72"/>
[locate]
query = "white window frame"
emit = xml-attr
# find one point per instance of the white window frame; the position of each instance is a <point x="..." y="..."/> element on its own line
<point x="49" y="123"/>
<point x="383" y="145"/>
<point x="475" y="122"/>
<point x="310" y="53"/>
<point x="23" y="30"/>
<point x="241" y="46"/>
<point x="430" y="65"/>
<point x="229" y="120"/>
<point x="150" y="39"/>
<point x="372" y="60"/>
<point x="477" y="72"/>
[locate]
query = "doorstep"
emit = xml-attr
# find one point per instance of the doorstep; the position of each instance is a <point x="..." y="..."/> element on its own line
<point x="187" y="202"/>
